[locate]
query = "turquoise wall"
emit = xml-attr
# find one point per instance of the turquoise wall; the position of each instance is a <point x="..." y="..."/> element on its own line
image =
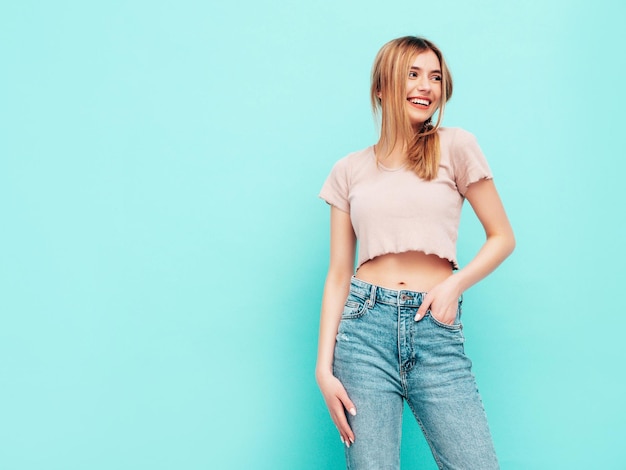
<point x="163" y="250"/>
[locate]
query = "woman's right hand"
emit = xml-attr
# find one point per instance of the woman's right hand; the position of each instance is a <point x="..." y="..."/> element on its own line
<point x="338" y="403"/>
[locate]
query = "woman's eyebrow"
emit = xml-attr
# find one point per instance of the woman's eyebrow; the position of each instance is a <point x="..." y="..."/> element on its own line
<point x="418" y="68"/>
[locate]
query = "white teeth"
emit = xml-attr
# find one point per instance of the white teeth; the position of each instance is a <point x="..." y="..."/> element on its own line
<point x="420" y="101"/>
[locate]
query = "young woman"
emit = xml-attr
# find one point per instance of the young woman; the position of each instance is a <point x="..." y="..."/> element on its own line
<point x="392" y="331"/>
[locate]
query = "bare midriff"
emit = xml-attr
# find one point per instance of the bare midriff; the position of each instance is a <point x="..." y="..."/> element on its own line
<point x="412" y="270"/>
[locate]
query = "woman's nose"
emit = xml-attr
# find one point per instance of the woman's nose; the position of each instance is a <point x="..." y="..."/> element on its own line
<point x="423" y="83"/>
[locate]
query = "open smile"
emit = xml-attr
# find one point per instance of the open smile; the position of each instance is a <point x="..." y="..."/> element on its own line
<point x="421" y="103"/>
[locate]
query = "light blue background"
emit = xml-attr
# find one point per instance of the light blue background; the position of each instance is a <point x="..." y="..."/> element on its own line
<point x="163" y="250"/>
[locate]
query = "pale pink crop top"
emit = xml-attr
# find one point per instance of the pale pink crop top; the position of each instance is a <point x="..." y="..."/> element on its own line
<point x="394" y="211"/>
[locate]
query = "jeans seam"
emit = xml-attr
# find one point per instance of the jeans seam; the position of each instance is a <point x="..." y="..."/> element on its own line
<point x="426" y="436"/>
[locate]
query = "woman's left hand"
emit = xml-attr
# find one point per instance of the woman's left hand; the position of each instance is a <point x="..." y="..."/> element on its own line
<point x="442" y="301"/>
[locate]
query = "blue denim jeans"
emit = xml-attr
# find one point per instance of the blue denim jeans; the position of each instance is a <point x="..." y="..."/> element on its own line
<point x="382" y="357"/>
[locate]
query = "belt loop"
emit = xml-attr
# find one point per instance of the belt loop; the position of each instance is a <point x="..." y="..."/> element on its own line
<point x="372" y="300"/>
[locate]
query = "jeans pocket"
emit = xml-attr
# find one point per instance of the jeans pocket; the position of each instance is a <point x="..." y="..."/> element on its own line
<point x="353" y="309"/>
<point x="457" y="325"/>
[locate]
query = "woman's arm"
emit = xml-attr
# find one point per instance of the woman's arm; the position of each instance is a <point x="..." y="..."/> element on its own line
<point x="442" y="299"/>
<point x="341" y="268"/>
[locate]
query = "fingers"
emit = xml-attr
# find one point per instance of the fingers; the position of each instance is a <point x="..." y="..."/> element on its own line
<point x="338" y="404"/>
<point x="446" y="316"/>
<point x="445" y="313"/>
<point x="421" y="311"/>
<point x="338" y="413"/>
<point x="441" y="300"/>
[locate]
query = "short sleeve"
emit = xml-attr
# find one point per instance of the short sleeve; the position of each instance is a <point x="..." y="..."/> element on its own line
<point x="336" y="188"/>
<point x="469" y="162"/>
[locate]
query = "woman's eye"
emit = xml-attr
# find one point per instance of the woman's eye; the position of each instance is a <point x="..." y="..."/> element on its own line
<point x="437" y="78"/>
<point x="412" y="74"/>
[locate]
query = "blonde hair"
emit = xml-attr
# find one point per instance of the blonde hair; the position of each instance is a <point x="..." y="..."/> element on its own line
<point x="389" y="75"/>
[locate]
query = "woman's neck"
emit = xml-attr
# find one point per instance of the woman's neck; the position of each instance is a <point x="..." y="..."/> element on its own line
<point x="395" y="157"/>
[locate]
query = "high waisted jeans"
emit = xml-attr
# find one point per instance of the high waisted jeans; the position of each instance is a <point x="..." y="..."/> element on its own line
<point x="382" y="357"/>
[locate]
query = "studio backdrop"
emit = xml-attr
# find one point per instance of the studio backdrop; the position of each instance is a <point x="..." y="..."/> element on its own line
<point x="163" y="249"/>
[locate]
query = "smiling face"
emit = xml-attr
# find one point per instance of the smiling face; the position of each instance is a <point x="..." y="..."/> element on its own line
<point x="423" y="88"/>
<point x="410" y="82"/>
